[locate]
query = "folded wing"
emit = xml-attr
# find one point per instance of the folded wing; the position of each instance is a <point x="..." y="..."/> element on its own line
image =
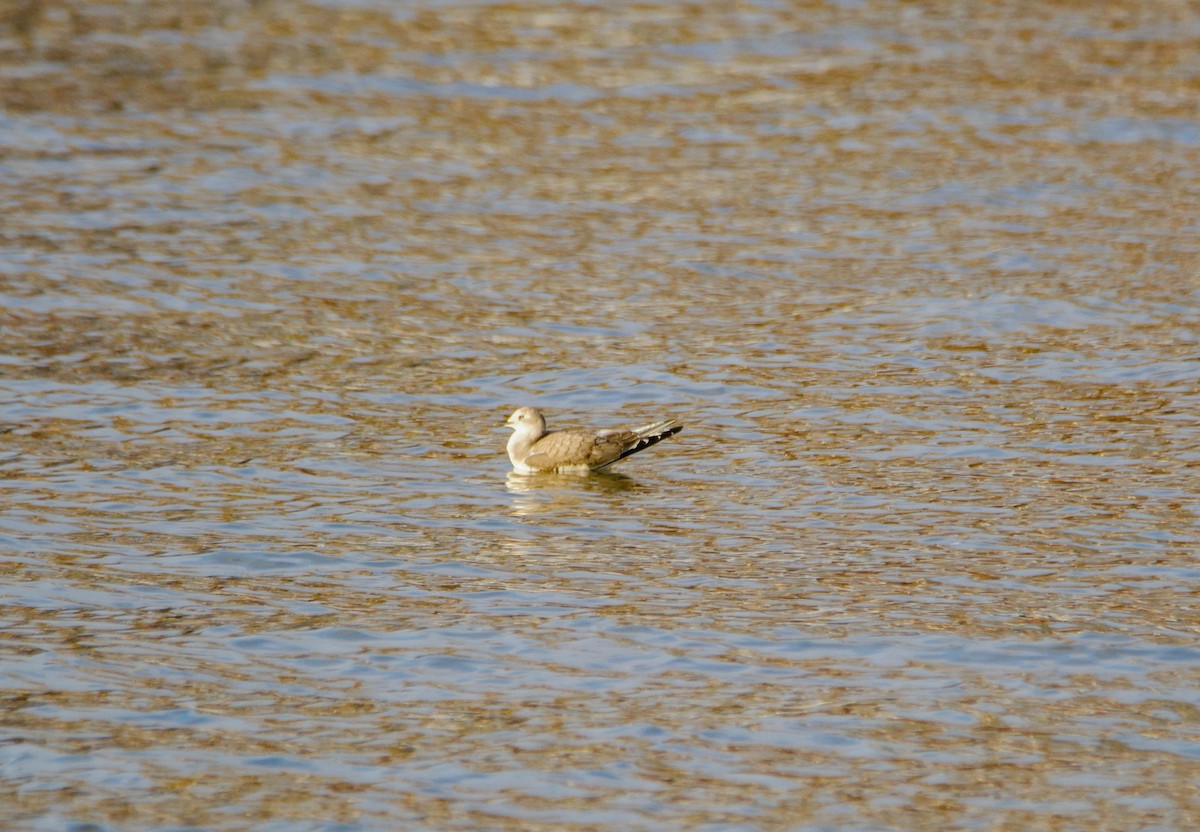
<point x="585" y="450"/>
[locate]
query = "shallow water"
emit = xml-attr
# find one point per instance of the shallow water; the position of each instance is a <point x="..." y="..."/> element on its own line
<point x="920" y="281"/>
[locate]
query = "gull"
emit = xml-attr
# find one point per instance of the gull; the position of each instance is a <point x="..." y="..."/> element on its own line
<point x="534" y="450"/>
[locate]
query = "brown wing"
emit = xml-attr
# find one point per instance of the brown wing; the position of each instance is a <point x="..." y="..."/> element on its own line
<point x="571" y="448"/>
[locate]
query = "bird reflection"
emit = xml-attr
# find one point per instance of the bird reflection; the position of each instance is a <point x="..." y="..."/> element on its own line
<point x="535" y="493"/>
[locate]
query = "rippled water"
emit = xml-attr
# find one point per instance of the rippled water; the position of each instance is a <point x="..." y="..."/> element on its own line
<point x="921" y="280"/>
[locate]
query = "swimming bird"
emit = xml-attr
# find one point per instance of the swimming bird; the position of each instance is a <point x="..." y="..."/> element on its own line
<point x="534" y="450"/>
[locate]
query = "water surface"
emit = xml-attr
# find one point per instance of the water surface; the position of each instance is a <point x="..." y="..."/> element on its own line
<point x="920" y="281"/>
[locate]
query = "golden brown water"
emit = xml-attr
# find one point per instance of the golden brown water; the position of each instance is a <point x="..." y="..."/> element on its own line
<point x="921" y="279"/>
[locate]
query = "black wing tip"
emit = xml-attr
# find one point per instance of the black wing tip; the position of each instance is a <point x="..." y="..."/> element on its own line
<point x="653" y="439"/>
